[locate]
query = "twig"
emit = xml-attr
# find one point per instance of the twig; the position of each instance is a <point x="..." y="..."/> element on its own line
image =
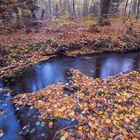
<point x="84" y="123"/>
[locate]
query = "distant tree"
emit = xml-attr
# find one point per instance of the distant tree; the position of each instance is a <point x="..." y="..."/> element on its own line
<point x="56" y="11"/>
<point x="138" y="9"/>
<point x="114" y="8"/>
<point x="126" y="4"/>
<point x="73" y="9"/>
<point x="85" y="8"/>
<point x="134" y="7"/>
<point x="50" y="8"/>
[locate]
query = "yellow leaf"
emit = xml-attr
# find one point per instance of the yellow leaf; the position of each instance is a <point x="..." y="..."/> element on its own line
<point x="71" y="114"/>
<point x="80" y="128"/>
<point x="50" y="125"/>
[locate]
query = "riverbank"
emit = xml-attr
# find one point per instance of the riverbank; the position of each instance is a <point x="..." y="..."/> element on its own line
<point x="20" y="50"/>
<point x="104" y="109"/>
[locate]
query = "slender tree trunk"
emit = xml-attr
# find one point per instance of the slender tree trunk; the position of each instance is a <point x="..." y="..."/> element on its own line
<point x="56" y="11"/>
<point x="85" y="8"/>
<point x="134" y="7"/>
<point x="74" y="11"/>
<point x="138" y="9"/>
<point x="33" y="14"/>
<point x="125" y="7"/>
<point x="69" y="8"/>
<point x="49" y="8"/>
<point x="42" y="14"/>
<point x="130" y="9"/>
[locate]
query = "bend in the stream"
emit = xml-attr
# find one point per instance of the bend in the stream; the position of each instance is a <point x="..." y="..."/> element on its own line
<point x="15" y="120"/>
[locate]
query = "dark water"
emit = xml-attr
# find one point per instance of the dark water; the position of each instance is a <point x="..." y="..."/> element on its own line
<point x="53" y="71"/>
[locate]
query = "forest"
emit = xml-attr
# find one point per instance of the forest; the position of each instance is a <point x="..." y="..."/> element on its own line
<point x="69" y="69"/>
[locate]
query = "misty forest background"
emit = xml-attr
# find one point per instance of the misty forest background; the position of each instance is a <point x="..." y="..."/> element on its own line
<point x="24" y="12"/>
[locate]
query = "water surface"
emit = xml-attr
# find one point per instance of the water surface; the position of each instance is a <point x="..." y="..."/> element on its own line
<point x="20" y="123"/>
<point x="54" y="71"/>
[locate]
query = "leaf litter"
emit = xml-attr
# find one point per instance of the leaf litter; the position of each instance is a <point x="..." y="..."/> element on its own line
<point x="103" y="109"/>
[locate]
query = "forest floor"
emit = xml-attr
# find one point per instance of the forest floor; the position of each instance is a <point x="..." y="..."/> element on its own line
<point x="22" y="48"/>
<point x="103" y="109"/>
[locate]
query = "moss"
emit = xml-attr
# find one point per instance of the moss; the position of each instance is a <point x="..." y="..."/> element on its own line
<point x="10" y="59"/>
<point x="61" y="36"/>
<point x="49" y="41"/>
<point x="30" y="47"/>
<point x="36" y="47"/>
<point x="46" y="53"/>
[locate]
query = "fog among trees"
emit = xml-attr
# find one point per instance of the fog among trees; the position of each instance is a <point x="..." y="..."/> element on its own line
<point x="47" y="9"/>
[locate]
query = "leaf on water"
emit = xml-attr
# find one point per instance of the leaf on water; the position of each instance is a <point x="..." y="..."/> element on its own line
<point x="42" y="124"/>
<point x="80" y="128"/>
<point x="72" y="113"/>
<point x="1" y="133"/>
<point x="37" y="123"/>
<point x="32" y="131"/>
<point x="1" y="112"/>
<point x="63" y="138"/>
<point x="50" y="124"/>
<point x="66" y="134"/>
<point x="121" y="112"/>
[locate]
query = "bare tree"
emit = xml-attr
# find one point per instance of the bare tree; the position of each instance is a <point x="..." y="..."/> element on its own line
<point x="73" y="8"/>
<point x="138" y="9"/>
<point x="50" y="8"/>
<point x="85" y="8"/>
<point x="125" y="7"/>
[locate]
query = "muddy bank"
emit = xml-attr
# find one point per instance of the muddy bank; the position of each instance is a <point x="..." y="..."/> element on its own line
<point x="103" y="108"/>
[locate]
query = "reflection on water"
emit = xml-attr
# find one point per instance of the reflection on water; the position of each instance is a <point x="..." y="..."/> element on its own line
<point x="1" y="83"/>
<point x="54" y="71"/>
<point x="8" y="120"/>
<point x="51" y="72"/>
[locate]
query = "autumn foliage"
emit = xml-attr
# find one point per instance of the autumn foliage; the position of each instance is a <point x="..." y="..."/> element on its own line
<point x="102" y="108"/>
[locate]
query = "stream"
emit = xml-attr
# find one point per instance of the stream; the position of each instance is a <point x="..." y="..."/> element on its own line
<point x="22" y="123"/>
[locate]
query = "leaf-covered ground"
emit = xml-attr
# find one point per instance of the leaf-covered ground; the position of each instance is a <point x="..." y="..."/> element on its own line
<point x="19" y="49"/>
<point x="103" y="109"/>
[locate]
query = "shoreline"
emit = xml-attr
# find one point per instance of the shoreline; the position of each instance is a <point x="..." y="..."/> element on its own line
<point x="72" y="39"/>
<point x="11" y="71"/>
<point x="103" y="103"/>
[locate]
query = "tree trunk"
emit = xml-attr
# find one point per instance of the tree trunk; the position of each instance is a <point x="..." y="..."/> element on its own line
<point x="105" y="6"/>
<point x="49" y="8"/>
<point x="42" y="14"/>
<point x="126" y="7"/>
<point x="74" y="11"/>
<point x="138" y="9"/>
<point x="134" y="7"/>
<point x="130" y="9"/>
<point x="85" y="8"/>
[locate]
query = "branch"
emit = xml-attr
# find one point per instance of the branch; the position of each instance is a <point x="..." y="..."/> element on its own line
<point x="72" y="126"/>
